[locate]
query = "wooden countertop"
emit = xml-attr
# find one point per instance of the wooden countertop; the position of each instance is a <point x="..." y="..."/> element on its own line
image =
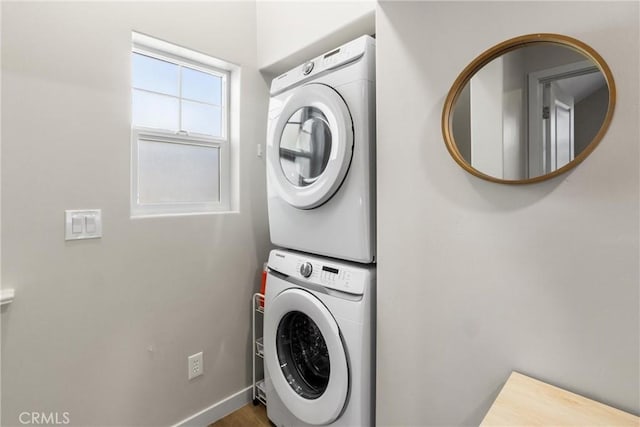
<point x="524" y="401"/>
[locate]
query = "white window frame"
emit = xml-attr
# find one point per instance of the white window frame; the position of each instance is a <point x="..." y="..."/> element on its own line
<point x="222" y="143"/>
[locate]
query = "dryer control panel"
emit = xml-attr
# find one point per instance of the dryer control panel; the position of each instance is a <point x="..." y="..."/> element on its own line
<point x="335" y="58"/>
<point x="333" y="275"/>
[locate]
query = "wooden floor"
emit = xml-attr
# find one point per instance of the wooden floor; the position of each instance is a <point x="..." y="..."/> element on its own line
<point x="246" y="416"/>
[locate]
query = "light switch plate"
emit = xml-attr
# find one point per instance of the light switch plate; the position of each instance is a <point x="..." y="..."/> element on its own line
<point x="82" y="224"/>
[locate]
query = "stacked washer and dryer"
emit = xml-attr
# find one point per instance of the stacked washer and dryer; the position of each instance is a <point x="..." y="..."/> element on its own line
<point x="319" y="324"/>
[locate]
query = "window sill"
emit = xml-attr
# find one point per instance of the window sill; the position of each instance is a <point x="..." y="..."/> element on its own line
<point x="171" y="215"/>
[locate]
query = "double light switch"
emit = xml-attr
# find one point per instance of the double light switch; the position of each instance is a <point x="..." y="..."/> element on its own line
<point x="83" y="224"/>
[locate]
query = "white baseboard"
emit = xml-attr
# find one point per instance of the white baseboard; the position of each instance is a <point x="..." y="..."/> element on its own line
<point x="218" y="410"/>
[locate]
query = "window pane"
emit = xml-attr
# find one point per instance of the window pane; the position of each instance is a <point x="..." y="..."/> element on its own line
<point x="174" y="173"/>
<point x="201" y="118"/>
<point x="155" y="75"/>
<point x="155" y="111"/>
<point x="201" y="86"/>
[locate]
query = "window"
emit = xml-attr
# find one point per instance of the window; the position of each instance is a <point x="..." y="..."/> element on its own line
<point x="180" y="131"/>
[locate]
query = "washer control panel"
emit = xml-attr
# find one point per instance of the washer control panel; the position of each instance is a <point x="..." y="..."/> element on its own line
<point x="328" y="275"/>
<point x="338" y="276"/>
<point x="332" y="275"/>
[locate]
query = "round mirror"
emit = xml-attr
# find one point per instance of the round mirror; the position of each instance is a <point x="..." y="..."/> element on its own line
<point x="528" y="109"/>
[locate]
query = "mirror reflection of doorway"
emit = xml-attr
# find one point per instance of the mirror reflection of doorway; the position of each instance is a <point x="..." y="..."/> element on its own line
<point x="530" y="112"/>
<point x="564" y="102"/>
<point x="528" y="109"/>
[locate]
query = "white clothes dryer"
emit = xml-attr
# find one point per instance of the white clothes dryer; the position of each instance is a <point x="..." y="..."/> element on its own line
<point x="319" y="341"/>
<point x="321" y="154"/>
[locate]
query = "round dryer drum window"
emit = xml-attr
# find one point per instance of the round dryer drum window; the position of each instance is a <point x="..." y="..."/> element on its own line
<point x="303" y="355"/>
<point x="309" y="146"/>
<point x="305" y="146"/>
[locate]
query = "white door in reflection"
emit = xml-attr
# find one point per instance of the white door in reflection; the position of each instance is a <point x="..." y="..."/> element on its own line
<point x="559" y="145"/>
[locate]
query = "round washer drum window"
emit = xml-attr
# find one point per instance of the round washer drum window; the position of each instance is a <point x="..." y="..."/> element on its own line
<point x="303" y="355"/>
<point x="305" y="146"/>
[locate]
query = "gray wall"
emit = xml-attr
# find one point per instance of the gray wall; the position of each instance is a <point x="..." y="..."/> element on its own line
<point x="291" y="32"/>
<point x="102" y="328"/>
<point x="541" y="57"/>
<point x="461" y="123"/>
<point x="588" y="117"/>
<point x="477" y="279"/>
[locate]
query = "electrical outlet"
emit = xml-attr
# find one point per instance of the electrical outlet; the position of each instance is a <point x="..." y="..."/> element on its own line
<point x="196" y="367"/>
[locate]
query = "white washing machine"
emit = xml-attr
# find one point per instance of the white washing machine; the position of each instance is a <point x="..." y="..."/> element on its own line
<point x="319" y="341"/>
<point x="321" y="154"/>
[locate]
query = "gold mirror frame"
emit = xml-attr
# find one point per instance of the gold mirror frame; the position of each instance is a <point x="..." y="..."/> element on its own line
<point x="497" y="51"/>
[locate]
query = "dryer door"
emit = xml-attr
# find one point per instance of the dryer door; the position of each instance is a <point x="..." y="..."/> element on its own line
<point x="305" y="357"/>
<point x="310" y="146"/>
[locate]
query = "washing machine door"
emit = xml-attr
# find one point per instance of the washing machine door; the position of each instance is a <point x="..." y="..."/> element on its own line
<point x="310" y="146"/>
<point x="305" y="357"/>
